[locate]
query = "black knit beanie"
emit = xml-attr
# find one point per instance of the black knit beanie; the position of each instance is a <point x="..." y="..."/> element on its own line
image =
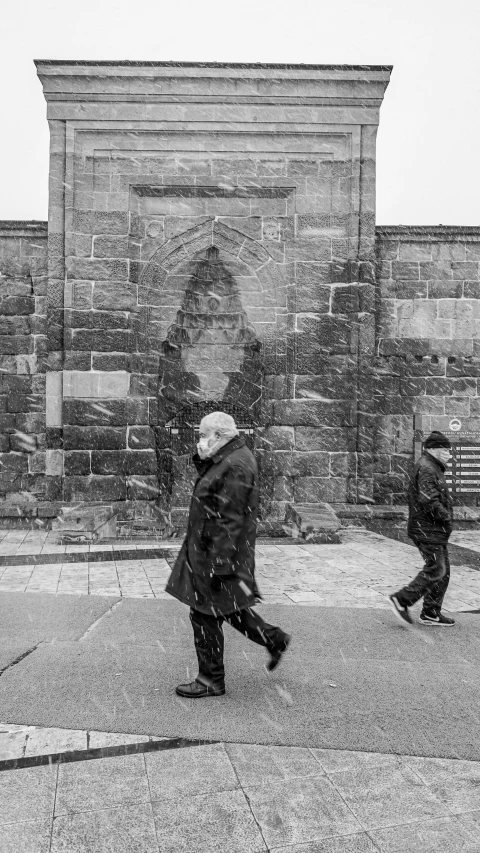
<point x="436" y="439"/>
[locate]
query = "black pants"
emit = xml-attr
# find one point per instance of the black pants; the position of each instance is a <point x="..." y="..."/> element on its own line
<point x="208" y="636"/>
<point x="431" y="582"/>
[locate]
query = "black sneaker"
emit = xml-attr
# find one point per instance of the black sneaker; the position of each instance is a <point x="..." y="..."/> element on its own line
<point x="401" y="612"/>
<point x="439" y="619"/>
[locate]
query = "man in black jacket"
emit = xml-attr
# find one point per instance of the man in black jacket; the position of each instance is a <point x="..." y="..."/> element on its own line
<point x="430" y="522"/>
<point x="215" y="570"/>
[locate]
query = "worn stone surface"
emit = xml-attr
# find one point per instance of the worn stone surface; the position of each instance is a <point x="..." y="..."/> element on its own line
<point x="427" y="335"/>
<point x="250" y="279"/>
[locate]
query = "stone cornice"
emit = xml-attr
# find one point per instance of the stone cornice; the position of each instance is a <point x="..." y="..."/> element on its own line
<point x="23" y="228"/>
<point x="360" y="87"/>
<point x="427" y="233"/>
<point x="124" y="63"/>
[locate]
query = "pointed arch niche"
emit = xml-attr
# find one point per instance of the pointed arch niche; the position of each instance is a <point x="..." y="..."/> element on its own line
<point x="213" y="303"/>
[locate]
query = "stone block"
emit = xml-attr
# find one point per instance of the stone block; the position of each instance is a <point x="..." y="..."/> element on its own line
<point x="142" y="487"/>
<point x="334" y="439"/>
<point x="78" y="361"/>
<point x="124" y="462"/>
<point x="465" y="269"/>
<point x="308" y="464"/>
<point x="54" y="438"/>
<point x="283" y="489"/>
<point x="320" y="334"/>
<point x="143" y="385"/>
<point x="458" y="406"/>
<point x="16" y="463"/>
<point x="99" y="384"/>
<point x="319" y="489"/>
<point x="312" y="413"/>
<point x="445" y="289"/>
<point x="110" y="247"/>
<point x="82" y="295"/>
<point x="365" y="465"/>
<point x="22" y="442"/>
<point x="95" y="488"/>
<point x="342" y="464"/>
<point x="94" y="438"/>
<point x="17" y="305"/>
<point x="345" y="299"/>
<point x="25" y="403"/>
<point x="100" y="222"/>
<point x="411" y="289"/>
<point x="117" y="340"/>
<point x="326" y="388"/>
<point x="411" y="270"/>
<point x="113" y="296"/>
<point x="141" y="411"/>
<point x="140" y="438"/>
<point x="15" y="325"/>
<point x="275" y="438"/>
<point x="97" y="269"/>
<point x="54" y="463"/>
<point x="436" y="270"/>
<point x="85" y="412"/>
<point x="110" y="361"/>
<point x="305" y="250"/>
<point x="425" y="406"/>
<point x="16" y="344"/>
<point x="414" y="251"/>
<point x="386" y="486"/>
<point x="471" y="289"/>
<point x="77" y="462"/>
<point x="96" y="320"/>
<point x="16" y="384"/>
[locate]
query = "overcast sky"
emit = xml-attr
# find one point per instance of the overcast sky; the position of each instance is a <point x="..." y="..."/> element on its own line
<point x="428" y="142"/>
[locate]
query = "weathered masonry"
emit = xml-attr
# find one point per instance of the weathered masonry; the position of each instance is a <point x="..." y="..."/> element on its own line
<point x="211" y="244"/>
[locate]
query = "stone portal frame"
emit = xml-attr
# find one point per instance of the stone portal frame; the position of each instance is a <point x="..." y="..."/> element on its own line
<point x="289" y="143"/>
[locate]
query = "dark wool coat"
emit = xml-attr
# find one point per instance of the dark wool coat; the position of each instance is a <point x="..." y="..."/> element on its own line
<point x="430" y="505"/>
<point x="220" y="540"/>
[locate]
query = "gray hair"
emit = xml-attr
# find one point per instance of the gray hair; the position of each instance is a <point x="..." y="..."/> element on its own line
<point x="220" y="423"/>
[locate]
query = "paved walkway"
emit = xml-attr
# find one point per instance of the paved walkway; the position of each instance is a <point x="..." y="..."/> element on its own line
<point x="360" y="572"/>
<point x="77" y="791"/>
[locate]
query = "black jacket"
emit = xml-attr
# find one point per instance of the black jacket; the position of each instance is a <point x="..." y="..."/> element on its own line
<point x="221" y="533"/>
<point x="430" y="505"/>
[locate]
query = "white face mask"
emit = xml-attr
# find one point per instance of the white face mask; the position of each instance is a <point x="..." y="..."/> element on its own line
<point x="207" y="445"/>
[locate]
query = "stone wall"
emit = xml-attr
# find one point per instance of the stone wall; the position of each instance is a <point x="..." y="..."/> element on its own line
<point x="23" y="458"/>
<point x="211" y="244"/>
<point x="428" y="342"/>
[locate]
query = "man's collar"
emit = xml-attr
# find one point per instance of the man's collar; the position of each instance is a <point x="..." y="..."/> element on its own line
<point x="234" y="444"/>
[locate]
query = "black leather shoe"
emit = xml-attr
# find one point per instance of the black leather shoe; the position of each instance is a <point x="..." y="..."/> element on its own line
<point x="197" y="690"/>
<point x="276" y="654"/>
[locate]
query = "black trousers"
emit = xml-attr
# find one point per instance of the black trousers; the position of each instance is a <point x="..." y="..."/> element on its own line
<point x="209" y="644"/>
<point x="431" y="582"/>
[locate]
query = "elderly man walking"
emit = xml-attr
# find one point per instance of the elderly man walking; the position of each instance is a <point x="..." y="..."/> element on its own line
<point x="215" y="571"/>
<point x="429" y="526"/>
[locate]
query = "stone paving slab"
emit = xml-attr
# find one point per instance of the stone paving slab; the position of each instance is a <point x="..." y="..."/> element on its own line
<point x="361" y="572"/>
<point x="243" y="798"/>
<point x="280" y="802"/>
